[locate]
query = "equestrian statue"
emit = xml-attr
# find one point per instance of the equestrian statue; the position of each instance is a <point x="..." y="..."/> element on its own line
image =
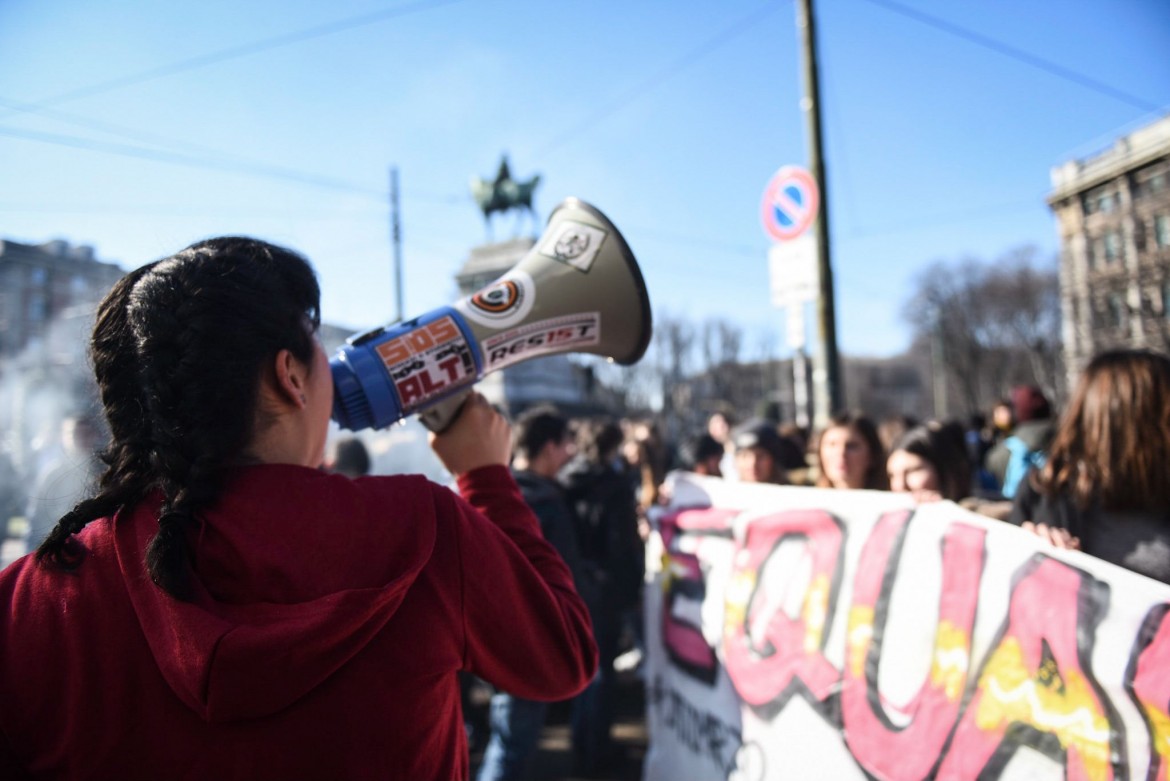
<point x="504" y="194"/>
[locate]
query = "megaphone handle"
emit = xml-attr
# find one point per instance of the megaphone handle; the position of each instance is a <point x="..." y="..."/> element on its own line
<point x="441" y="415"/>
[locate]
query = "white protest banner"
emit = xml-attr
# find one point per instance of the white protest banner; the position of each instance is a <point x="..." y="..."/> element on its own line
<point x="800" y="633"/>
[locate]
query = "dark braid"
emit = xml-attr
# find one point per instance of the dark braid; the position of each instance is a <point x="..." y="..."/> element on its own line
<point x="179" y="353"/>
<point x="127" y="476"/>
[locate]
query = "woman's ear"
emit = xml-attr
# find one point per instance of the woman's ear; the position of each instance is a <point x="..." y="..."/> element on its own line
<point x="291" y="378"/>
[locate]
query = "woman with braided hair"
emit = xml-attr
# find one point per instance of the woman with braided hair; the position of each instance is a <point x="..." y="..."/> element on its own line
<point x="222" y="607"/>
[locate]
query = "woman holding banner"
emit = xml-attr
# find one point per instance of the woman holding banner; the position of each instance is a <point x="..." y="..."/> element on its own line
<point x="1106" y="485"/>
<point x="930" y="461"/>
<point x="850" y="454"/>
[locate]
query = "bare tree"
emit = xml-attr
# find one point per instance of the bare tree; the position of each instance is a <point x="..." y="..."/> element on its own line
<point x="720" y="343"/>
<point x="990" y="325"/>
<point x="1024" y="305"/>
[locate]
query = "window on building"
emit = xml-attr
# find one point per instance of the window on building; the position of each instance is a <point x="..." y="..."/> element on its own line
<point x="1101" y="199"/>
<point x="1162" y="231"/>
<point x="36" y="308"/>
<point x="1115" y="311"/>
<point x="1113" y="247"/>
<point x="1151" y="180"/>
<point x="1096" y="252"/>
<point x="37" y="276"/>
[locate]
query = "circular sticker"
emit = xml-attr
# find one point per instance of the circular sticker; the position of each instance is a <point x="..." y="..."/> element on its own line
<point x="503" y="303"/>
<point x="498" y="297"/>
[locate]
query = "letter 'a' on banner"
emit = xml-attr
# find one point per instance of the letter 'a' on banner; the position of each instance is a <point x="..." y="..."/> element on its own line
<point x="797" y="633"/>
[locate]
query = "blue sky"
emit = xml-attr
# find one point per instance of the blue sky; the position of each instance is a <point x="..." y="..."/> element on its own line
<point x="139" y="128"/>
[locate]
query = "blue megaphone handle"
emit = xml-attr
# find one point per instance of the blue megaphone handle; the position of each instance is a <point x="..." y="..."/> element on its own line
<point x="383" y="375"/>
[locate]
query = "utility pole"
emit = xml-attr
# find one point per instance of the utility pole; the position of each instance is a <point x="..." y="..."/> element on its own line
<point x="938" y="368"/>
<point x="827" y="391"/>
<point x="396" y="242"/>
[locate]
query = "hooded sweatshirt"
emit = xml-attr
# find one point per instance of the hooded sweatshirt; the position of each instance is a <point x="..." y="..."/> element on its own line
<point x="328" y="620"/>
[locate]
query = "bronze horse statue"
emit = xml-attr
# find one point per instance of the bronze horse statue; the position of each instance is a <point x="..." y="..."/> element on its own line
<point x="503" y="194"/>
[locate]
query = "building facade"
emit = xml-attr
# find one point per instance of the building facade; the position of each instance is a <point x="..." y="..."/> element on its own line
<point x="1113" y="215"/>
<point x="41" y="283"/>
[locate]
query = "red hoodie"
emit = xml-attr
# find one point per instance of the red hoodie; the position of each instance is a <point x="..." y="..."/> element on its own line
<point x="330" y="617"/>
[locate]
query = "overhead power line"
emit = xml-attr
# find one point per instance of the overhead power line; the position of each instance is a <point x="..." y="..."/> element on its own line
<point x="230" y="53"/>
<point x="1018" y="54"/>
<point x="725" y="35"/>
<point x="109" y="128"/>
<point x="191" y="161"/>
<point x="212" y="158"/>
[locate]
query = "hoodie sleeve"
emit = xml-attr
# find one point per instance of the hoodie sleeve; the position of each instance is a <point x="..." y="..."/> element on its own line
<point x="526" y="629"/>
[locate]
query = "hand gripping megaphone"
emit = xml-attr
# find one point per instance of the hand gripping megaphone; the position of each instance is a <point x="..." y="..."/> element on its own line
<point x="578" y="289"/>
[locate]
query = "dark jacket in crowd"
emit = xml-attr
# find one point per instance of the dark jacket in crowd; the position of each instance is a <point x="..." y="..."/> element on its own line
<point x="546" y="498"/>
<point x="607" y="532"/>
<point x="1138" y="541"/>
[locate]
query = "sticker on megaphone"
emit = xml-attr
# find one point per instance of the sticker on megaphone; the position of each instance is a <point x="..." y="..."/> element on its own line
<point x="578" y="289"/>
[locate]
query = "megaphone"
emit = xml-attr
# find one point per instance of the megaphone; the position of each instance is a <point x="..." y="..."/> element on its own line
<point x="578" y="289"/>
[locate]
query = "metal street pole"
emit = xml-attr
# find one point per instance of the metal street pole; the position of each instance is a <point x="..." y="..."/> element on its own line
<point x="827" y="391"/>
<point x="396" y="241"/>
<point x="938" y="368"/>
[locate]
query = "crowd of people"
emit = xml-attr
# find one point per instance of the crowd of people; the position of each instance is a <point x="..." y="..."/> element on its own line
<point x="253" y="588"/>
<point x="1094" y="478"/>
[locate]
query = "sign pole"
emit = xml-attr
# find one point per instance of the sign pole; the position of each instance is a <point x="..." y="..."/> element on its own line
<point x="396" y="241"/>
<point x="827" y="391"/>
<point x="788" y="210"/>
<point x="799" y="364"/>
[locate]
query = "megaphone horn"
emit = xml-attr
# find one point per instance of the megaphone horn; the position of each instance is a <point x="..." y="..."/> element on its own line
<point x="578" y="289"/>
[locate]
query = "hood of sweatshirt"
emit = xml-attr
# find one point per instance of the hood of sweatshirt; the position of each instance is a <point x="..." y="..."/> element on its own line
<point x="295" y="571"/>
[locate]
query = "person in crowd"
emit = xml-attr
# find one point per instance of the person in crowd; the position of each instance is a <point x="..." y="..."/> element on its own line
<point x="66" y="479"/>
<point x="543" y="443"/>
<point x="800" y="472"/>
<point x="223" y="608"/>
<point x="648" y="457"/>
<point x="850" y="454"/>
<point x="977" y="438"/>
<point x="1027" y="444"/>
<point x="760" y="453"/>
<point x="1105" y="487"/>
<point x="703" y="455"/>
<point x="613" y="559"/>
<point x="13" y="504"/>
<point x="1003" y="420"/>
<point x="892" y="427"/>
<point x="720" y="424"/>
<point x="350" y="457"/>
<point x="980" y="437"/>
<point x="930" y="461"/>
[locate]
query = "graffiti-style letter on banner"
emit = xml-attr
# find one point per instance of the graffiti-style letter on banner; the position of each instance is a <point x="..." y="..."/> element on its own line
<point x="766" y="649"/>
<point x="683" y="640"/>
<point x="1148" y="681"/>
<point x="1034" y="688"/>
<point x="910" y="751"/>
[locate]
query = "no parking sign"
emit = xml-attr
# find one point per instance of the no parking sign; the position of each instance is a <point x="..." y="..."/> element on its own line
<point x="790" y="203"/>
